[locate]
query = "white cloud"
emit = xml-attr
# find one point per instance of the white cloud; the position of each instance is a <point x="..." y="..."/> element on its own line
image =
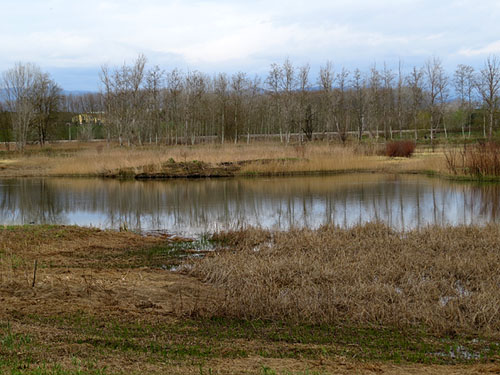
<point x="489" y="49"/>
<point x="216" y="34"/>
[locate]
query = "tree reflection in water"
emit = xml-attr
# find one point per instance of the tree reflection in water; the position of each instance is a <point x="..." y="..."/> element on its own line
<point x="198" y="206"/>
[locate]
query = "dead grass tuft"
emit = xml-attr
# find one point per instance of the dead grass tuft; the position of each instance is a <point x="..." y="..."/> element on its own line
<point x="445" y="279"/>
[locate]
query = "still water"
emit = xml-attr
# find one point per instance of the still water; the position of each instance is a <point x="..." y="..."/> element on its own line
<point x="191" y="207"/>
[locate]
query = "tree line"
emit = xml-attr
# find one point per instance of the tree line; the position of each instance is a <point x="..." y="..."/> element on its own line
<point x="138" y="104"/>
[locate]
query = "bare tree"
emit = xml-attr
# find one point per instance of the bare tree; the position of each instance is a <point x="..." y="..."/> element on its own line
<point x="375" y="101"/>
<point x="124" y="99"/>
<point x="46" y="101"/>
<point x="359" y="101"/>
<point x="154" y="88"/>
<point x="274" y="83"/>
<point x="221" y="86"/>
<point x="488" y="85"/>
<point x="414" y="81"/>
<point x="341" y="107"/>
<point x="195" y="89"/>
<point x="138" y="104"/>
<point x="173" y="103"/>
<point x="289" y="84"/>
<point x="464" y="86"/>
<point x="401" y="101"/>
<point x="135" y="81"/>
<point x="18" y="88"/>
<point x="326" y="81"/>
<point x="304" y="108"/>
<point x="239" y="83"/>
<point x="108" y="96"/>
<point x="387" y="100"/>
<point x="252" y="105"/>
<point x="436" y="82"/>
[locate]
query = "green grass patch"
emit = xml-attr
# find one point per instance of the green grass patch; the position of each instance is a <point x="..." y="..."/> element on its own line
<point x="202" y="339"/>
<point x="167" y="255"/>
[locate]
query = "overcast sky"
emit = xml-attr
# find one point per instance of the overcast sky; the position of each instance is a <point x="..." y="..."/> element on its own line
<point x="72" y="39"/>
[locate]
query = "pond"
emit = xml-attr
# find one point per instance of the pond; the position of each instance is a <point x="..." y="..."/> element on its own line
<point x="192" y="207"/>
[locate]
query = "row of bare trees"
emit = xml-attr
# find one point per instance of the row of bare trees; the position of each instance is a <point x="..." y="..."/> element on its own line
<point x="141" y="104"/>
<point x="146" y="105"/>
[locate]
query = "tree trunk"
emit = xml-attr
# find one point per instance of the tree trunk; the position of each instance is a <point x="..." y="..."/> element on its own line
<point x="491" y="125"/>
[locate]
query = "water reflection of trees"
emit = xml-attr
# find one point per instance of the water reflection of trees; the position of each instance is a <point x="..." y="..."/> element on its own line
<point x="25" y="201"/>
<point x="488" y="196"/>
<point x="206" y="205"/>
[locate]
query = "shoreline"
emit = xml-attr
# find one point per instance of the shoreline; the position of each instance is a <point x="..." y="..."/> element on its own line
<point x="251" y="174"/>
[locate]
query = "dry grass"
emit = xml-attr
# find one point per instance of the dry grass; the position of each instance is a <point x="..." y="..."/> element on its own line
<point x="481" y="160"/>
<point x="318" y="158"/>
<point x="103" y="272"/>
<point x="96" y="159"/>
<point x="444" y="279"/>
<point x="420" y="162"/>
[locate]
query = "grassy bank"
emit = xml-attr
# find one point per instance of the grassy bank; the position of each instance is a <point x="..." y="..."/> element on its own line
<point x="96" y="159"/>
<point x="301" y="302"/>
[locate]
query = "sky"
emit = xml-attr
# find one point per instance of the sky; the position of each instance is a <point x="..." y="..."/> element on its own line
<point x="72" y="39"/>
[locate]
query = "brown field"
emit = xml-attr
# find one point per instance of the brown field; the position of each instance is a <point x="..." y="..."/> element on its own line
<point x="104" y="302"/>
<point x="97" y="159"/>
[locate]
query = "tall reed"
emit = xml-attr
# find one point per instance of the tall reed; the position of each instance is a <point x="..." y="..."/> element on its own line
<point x="481" y="160"/>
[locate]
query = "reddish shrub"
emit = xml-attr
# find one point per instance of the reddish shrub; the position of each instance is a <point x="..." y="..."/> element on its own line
<point x="400" y="149"/>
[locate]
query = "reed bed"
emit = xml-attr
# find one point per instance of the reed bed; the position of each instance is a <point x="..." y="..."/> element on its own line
<point x="267" y="158"/>
<point x="445" y="280"/>
<point x="279" y="158"/>
<point x="481" y="160"/>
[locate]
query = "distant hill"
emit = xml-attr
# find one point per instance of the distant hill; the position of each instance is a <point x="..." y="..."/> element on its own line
<point x="77" y="92"/>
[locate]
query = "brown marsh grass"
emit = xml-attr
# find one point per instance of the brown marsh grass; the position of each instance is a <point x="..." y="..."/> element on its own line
<point x="443" y="279"/>
<point x="97" y="159"/>
<point x="481" y="160"/>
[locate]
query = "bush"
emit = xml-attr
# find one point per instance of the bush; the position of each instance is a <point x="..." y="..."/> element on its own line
<point x="400" y="149"/>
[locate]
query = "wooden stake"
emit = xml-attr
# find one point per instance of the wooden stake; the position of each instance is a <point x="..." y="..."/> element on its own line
<point x="34" y="274"/>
